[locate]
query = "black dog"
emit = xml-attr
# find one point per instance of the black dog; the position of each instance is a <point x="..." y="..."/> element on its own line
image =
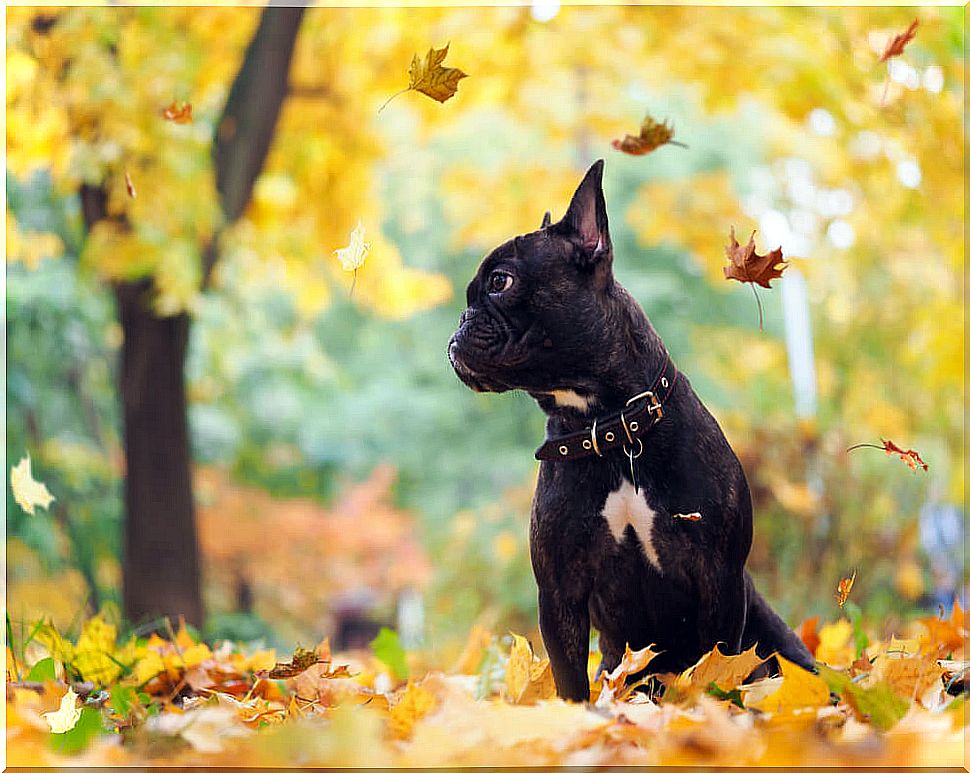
<point x="641" y="521"/>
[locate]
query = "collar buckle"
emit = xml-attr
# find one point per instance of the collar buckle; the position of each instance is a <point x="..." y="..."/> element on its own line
<point x="654" y="407"/>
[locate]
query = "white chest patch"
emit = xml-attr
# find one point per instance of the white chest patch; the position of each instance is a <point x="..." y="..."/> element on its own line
<point x="625" y="507"/>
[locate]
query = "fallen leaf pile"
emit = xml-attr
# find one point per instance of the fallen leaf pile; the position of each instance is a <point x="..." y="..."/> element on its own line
<point x="175" y="699"/>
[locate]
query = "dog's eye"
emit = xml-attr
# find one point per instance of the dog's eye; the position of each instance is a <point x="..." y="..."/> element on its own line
<point x="499" y="281"/>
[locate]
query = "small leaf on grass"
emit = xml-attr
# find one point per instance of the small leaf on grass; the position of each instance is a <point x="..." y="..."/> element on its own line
<point x="734" y="695"/>
<point x="77" y="738"/>
<point x="387" y="649"/>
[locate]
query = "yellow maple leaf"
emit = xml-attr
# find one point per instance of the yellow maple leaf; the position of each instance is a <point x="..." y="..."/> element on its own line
<point x="28" y="492"/>
<point x="353" y="255"/>
<point x="908" y="676"/>
<point x="415" y="703"/>
<point x="518" y="667"/>
<point x="94" y="653"/>
<point x="66" y="717"/>
<point x="430" y="77"/>
<point x="615" y="685"/>
<point x="725" y="671"/>
<point x="433" y="79"/>
<point x="799" y="689"/>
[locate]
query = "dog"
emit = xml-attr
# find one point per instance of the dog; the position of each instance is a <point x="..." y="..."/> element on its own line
<point x="641" y="520"/>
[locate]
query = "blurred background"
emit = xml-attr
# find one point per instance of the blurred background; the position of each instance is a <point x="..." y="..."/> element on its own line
<point x="237" y="431"/>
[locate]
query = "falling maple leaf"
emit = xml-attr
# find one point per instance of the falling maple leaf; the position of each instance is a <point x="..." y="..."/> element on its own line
<point x="899" y="42"/>
<point x="352" y="256"/>
<point x="66" y="717"/>
<point x="748" y="266"/>
<point x="430" y="77"/>
<point x="28" y="492"/>
<point x="130" y="185"/>
<point x="179" y="112"/>
<point x="652" y="135"/>
<point x="845" y="587"/>
<point x="910" y="457"/>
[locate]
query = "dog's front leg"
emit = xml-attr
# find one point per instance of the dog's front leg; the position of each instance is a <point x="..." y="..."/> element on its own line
<point x="564" y="623"/>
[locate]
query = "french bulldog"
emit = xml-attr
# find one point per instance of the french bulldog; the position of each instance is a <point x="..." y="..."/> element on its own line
<point x="641" y="520"/>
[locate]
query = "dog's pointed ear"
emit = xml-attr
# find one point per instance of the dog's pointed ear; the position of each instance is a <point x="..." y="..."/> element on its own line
<point x="586" y="220"/>
<point x="546" y="220"/>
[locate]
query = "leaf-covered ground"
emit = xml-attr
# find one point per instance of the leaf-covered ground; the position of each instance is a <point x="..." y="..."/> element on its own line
<point x="177" y="700"/>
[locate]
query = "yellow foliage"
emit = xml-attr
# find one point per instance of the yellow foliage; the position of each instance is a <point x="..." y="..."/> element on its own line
<point x="799" y="690"/>
<point x="836" y="647"/>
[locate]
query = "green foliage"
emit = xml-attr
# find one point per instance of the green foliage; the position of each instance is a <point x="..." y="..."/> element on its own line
<point x="42" y="671"/>
<point x="122" y="699"/>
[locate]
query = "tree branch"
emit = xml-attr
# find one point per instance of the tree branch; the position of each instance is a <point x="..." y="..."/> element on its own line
<point x="249" y="119"/>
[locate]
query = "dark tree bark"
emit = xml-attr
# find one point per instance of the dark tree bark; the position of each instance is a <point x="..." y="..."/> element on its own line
<point x="161" y="567"/>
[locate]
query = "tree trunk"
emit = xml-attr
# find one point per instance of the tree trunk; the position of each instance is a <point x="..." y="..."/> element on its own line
<point x="162" y="571"/>
<point x="161" y="567"/>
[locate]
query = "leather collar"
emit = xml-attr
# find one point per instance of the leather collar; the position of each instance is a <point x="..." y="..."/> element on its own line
<point x="623" y="429"/>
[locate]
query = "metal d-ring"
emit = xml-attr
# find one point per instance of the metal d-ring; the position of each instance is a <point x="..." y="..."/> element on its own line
<point x="592" y="434"/>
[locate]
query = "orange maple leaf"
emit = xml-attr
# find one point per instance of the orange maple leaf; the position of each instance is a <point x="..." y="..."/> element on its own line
<point x="899" y="42"/>
<point x="844" y="589"/>
<point x="910" y="457"/>
<point x="748" y="266"/>
<point x="652" y="135"/>
<point x="808" y="633"/>
<point x="179" y="112"/>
